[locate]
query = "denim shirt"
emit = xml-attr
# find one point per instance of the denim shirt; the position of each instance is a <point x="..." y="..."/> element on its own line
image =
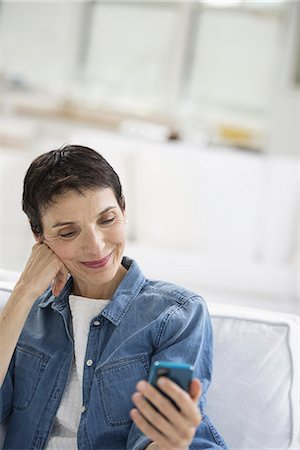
<point x="145" y="321"/>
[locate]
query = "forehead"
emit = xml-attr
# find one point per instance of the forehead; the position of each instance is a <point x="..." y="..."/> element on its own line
<point x="73" y="205"/>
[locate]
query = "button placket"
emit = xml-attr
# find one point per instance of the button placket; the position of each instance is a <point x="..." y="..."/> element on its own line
<point x="88" y="374"/>
<point x="89" y="362"/>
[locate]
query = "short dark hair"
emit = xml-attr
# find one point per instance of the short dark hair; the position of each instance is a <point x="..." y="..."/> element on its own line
<point x="72" y="167"/>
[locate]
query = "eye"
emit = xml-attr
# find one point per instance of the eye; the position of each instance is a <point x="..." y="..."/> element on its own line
<point x="68" y="235"/>
<point x="108" y="221"/>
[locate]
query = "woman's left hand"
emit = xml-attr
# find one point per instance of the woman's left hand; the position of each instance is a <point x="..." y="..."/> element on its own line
<point x="168" y="428"/>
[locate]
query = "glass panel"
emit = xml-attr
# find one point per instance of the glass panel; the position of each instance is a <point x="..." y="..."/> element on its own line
<point x="130" y="54"/>
<point x="233" y="75"/>
<point x="39" y="42"/>
<point x="235" y="59"/>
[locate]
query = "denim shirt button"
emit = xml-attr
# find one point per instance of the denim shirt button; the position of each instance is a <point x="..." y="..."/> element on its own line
<point x="83" y="408"/>
<point x="96" y="323"/>
<point x="89" y="362"/>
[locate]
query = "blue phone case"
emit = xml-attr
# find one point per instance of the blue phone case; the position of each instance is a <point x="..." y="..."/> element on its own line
<point x="181" y="374"/>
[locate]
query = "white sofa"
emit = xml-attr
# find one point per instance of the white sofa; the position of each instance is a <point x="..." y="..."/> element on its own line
<point x="254" y="397"/>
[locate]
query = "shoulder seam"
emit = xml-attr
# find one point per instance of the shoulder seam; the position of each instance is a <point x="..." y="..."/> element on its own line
<point x="176" y="296"/>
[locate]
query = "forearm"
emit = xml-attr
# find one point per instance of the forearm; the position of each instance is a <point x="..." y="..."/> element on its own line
<point x="12" y="320"/>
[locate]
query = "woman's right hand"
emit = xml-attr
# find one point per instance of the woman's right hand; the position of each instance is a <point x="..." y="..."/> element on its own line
<point x="43" y="267"/>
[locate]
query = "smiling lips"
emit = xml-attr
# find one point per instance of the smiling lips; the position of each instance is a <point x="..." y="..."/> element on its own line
<point x="96" y="264"/>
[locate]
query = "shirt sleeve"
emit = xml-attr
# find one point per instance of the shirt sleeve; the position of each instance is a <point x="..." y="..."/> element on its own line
<point x="185" y="335"/>
<point x="6" y="394"/>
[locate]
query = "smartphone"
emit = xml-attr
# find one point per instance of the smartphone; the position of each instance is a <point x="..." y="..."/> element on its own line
<point x="181" y="374"/>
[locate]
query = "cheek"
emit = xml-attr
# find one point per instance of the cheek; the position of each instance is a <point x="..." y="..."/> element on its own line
<point x="63" y="251"/>
<point x="66" y="255"/>
<point x="116" y="236"/>
<point x="121" y="235"/>
<point x="120" y="238"/>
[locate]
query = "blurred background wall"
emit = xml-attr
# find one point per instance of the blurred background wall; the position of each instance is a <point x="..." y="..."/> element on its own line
<point x="196" y="104"/>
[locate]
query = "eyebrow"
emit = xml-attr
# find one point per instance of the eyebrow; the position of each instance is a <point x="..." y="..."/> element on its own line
<point x="61" y="224"/>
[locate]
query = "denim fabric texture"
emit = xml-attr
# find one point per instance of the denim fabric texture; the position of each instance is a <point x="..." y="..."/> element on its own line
<point x="145" y="321"/>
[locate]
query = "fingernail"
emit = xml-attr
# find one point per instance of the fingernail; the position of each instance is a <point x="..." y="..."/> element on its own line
<point x="133" y="413"/>
<point x="161" y="382"/>
<point x="136" y="396"/>
<point x="141" y="385"/>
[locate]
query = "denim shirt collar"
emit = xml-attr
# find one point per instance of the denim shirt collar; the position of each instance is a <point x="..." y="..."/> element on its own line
<point x="122" y="298"/>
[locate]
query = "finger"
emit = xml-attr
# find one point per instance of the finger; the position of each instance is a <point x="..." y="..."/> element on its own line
<point x="195" y="390"/>
<point x="187" y="406"/>
<point x="149" y="430"/>
<point x="184" y="425"/>
<point x="163" y="404"/>
<point x="155" y="419"/>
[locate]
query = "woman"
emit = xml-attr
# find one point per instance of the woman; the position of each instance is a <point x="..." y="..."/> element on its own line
<point x="75" y="356"/>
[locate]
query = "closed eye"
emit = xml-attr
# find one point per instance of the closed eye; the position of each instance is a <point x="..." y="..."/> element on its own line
<point x="106" y="222"/>
<point x="68" y="235"/>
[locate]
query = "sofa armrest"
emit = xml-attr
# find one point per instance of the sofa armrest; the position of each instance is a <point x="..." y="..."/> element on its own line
<point x="254" y="398"/>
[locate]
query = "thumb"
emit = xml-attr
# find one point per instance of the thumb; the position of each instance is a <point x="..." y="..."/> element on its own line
<point x="195" y="390"/>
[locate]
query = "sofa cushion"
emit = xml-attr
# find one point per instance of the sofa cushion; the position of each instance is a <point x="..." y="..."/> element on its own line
<point x="6" y="288"/>
<point x="9" y="275"/>
<point x="254" y="397"/>
<point x="8" y="279"/>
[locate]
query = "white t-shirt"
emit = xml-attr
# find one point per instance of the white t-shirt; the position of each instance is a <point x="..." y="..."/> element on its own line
<point x="64" y="432"/>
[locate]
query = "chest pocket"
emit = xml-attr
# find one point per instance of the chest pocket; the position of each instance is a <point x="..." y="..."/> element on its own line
<point x="116" y="382"/>
<point x="30" y="364"/>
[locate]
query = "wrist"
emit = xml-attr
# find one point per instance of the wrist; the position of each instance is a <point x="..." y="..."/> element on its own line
<point x="24" y="292"/>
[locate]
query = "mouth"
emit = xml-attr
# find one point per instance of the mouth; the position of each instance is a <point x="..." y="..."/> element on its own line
<point x="98" y="263"/>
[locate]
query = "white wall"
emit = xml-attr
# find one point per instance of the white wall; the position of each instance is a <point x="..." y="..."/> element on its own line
<point x="285" y="118"/>
<point x="129" y="61"/>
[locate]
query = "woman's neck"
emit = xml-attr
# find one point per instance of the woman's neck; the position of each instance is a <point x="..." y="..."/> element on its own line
<point x="96" y="291"/>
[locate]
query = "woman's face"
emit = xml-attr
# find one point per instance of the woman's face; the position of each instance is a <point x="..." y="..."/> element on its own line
<point x="87" y="233"/>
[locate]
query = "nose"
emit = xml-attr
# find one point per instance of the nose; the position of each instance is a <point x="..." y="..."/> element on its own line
<point x="93" y="242"/>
